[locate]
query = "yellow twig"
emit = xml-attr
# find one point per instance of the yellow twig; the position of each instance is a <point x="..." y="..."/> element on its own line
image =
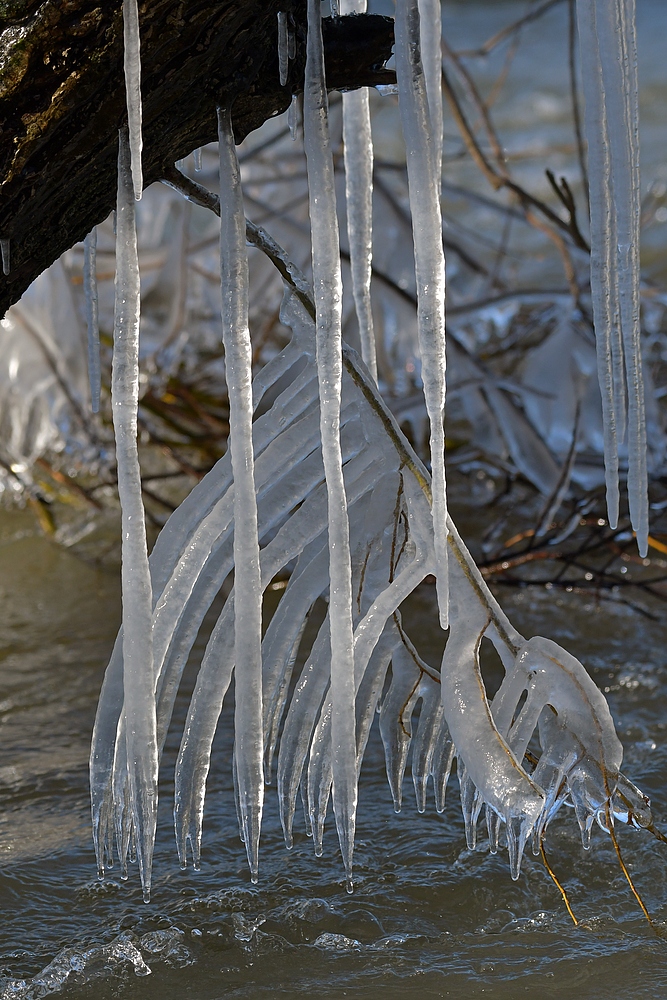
<point x="612" y="834"/>
<point x="556" y="882"/>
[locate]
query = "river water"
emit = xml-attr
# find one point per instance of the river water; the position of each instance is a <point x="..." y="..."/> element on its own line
<point x="428" y="918"/>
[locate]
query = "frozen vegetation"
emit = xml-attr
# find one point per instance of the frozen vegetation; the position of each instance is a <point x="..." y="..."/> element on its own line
<point x="321" y="489"/>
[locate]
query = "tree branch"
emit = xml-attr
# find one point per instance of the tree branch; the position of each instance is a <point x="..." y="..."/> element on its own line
<point x="62" y="100"/>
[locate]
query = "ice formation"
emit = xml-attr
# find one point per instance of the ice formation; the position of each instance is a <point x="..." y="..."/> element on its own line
<point x="92" y="322"/>
<point x="248" y="749"/>
<point x="609" y="64"/>
<point x="4" y="255"/>
<point x="358" y="151"/>
<point x="328" y="293"/>
<point x="132" y="50"/>
<point x="320" y="483"/>
<point x="293" y="117"/>
<point x="137" y="795"/>
<point x="283" y="47"/>
<point x="424" y="189"/>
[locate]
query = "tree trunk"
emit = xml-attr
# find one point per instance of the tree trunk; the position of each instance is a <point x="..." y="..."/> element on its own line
<point x="62" y="100"/>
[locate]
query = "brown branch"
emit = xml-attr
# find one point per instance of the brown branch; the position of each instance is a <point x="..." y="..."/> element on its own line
<point x="62" y="100"/>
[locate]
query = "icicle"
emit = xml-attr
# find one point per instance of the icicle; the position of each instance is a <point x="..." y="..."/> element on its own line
<point x="291" y="40"/>
<point x="609" y="71"/>
<point x="249" y="742"/>
<point x="132" y="50"/>
<point x="4" y="252"/>
<point x="197" y="159"/>
<point x="430" y="33"/>
<point x="138" y="682"/>
<point x="629" y="203"/>
<point x="293" y="118"/>
<point x="283" y="47"/>
<point x="358" y="147"/>
<point x="327" y="289"/>
<point x="358" y="151"/>
<point x="429" y="265"/>
<point x="90" y="292"/>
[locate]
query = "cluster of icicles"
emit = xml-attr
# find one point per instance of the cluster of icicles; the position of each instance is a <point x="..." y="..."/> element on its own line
<point x="319" y="480"/>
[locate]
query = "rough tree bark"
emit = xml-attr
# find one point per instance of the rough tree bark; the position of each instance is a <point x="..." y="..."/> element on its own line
<point x="62" y="100"/>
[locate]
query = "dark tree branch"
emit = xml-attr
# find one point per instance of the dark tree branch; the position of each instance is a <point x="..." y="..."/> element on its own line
<point x="62" y="100"/>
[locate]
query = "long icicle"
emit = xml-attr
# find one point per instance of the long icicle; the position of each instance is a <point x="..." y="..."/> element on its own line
<point x="249" y="742"/>
<point x="138" y="679"/>
<point x="327" y="289"/>
<point x="132" y="61"/>
<point x="429" y="265"/>
<point x="92" y="320"/>
<point x="602" y="217"/>
<point x="430" y="32"/>
<point x="637" y="470"/>
<point x="358" y="152"/>
<point x="358" y="147"/>
<point x="609" y="70"/>
<point x="629" y="272"/>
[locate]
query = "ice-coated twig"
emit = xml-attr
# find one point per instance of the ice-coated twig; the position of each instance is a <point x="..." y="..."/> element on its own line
<point x="138" y="679"/>
<point x="609" y="71"/>
<point x="92" y="321"/>
<point x="580" y="754"/>
<point x="132" y="63"/>
<point x="283" y="47"/>
<point x="249" y="741"/>
<point x="429" y="264"/>
<point x="327" y="294"/>
<point x="4" y="254"/>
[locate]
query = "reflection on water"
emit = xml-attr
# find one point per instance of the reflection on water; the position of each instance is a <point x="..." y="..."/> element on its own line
<point x="427" y="918"/>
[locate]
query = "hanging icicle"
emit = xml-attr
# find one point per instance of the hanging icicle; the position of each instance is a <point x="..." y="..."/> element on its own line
<point x="249" y="742"/>
<point x="4" y="253"/>
<point x="358" y="152"/>
<point x="424" y="193"/>
<point x="327" y="289"/>
<point x="609" y="69"/>
<point x="138" y="679"/>
<point x="197" y="159"/>
<point x="92" y="322"/>
<point x="430" y="33"/>
<point x="283" y="47"/>
<point x="132" y="51"/>
<point x="293" y="118"/>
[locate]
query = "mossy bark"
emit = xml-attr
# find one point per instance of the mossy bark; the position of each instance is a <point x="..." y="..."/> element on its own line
<point x="62" y="100"/>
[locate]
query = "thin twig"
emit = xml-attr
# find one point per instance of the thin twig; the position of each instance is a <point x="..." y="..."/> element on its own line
<point x="557" y="883"/>
<point x="504" y="33"/>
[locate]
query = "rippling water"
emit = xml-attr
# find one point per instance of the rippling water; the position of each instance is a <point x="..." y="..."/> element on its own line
<point x="428" y="918"/>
